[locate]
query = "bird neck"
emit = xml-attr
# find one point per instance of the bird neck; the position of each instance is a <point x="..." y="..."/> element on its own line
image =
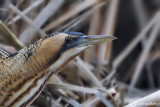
<point x="29" y="70"/>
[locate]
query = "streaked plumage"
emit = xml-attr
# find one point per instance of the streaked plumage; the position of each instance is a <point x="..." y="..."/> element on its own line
<point x="24" y="73"/>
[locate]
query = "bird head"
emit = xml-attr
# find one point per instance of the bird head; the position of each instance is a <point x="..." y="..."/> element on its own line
<point x="64" y="46"/>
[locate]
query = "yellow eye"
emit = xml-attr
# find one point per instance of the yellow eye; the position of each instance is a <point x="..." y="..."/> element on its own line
<point x="68" y="39"/>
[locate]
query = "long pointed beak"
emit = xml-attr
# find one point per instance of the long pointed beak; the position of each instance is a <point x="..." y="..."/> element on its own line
<point x="92" y="40"/>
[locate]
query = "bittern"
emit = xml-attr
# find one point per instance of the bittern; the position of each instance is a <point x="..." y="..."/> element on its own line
<point x="24" y="73"/>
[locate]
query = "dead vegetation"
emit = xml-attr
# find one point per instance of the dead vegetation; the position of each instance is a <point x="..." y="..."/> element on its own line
<point x="112" y="74"/>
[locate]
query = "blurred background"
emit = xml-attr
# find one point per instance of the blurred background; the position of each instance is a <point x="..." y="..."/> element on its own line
<point x="109" y="74"/>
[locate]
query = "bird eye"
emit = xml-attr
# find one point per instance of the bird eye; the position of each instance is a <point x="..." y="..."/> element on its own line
<point x="68" y="39"/>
